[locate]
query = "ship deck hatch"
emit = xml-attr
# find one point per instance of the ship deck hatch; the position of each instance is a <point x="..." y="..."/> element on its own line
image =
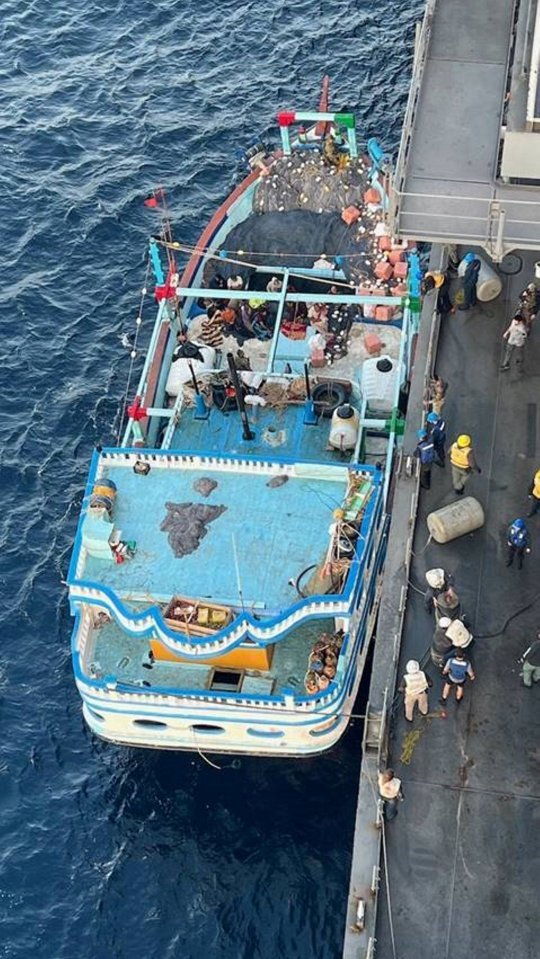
<point x="226" y="680"/>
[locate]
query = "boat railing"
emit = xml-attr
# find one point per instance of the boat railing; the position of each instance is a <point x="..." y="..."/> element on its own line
<point x="267" y="632"/>
<point x="139" y="624"/>
<point x="420" y="57"/>
<point x="287" y="700"/>
<point x="174" y="420"/>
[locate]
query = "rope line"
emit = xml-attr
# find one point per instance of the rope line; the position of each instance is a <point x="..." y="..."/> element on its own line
<point x="204" y="250"/>
<point x="133" y="355"/>
<point x="375" y="794"/>
<point x="227" y="259"/>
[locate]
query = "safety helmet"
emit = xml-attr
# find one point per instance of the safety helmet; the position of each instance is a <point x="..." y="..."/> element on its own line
<point x="464" y="440"/>
<point x="459" y="634"/>
<point x="519" y="524"/>
<point x="537" y="476"/>
<point x="469" y="257"/>
<point x="432" y="417"/>
<point x="532" y="287"/>
<point x="435" y="578"/>
<point x="412" y="666"/>
<point x="421" y="434"/>
<point x="444" y="622"/>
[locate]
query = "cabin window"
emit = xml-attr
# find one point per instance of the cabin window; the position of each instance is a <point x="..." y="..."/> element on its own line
<point x="226" y="680"/>
<point x="149" y="722"/>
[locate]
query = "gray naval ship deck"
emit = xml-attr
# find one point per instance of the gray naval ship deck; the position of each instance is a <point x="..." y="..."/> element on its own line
<point x="457" y="873"/>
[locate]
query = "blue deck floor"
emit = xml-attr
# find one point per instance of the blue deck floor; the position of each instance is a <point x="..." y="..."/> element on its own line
<point x="279" y="431"/>
<point x="121" y="656"/>
<point x="278" y="531"/>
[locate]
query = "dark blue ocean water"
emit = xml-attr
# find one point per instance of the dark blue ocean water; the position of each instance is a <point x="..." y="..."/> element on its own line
<point x="110" y="853"/>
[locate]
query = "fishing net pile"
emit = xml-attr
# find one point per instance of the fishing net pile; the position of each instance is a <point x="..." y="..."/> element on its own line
<point x="299" y="217"/>
<point x="186" y="525"/>
<point x="305" y="181"/>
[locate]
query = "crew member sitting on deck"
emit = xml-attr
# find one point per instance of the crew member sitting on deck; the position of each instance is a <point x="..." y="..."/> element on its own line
<point x="330" y="151"/>
<point x="274" y="285"/>
<point x="212" y="327"/>
<point x="235" y="283"/>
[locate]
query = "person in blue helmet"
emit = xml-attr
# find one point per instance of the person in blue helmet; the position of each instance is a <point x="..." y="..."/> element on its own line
<point x="437" y="432"/>
<point x="470" y="280"/>
<point x="425" y="452"/>
<point x="518" y="541"/>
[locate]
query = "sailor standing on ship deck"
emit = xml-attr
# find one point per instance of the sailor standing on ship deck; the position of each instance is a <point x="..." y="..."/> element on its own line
<point x="415" y="686"/>
<point x="463" y="462"/>
<point x="425" y="451"/>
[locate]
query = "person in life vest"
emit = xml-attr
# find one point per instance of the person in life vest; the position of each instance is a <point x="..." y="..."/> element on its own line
<point x="463" y="462"/>
<point x="518" y="541"/>
<point x="457" y="670"/>
<point x="534" y="494"/>
<point x="415" y="686"/>
<point x="425" y="452"/>
<point x="437" y="432"/>
<point x="441" y="644"/>
<point x="435" y="280"/>
<point x="438" y="582"/>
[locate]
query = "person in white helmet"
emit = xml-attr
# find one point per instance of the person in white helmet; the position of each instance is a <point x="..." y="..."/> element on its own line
<point x="414" y="687"/>
<point x="438" y="581"/>
<point x="441" y="644"/>
<point x="450" y="635"/>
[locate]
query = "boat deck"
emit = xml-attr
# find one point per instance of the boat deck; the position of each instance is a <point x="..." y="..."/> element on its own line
<point x="276" y="530"/>
<point x="122" y="656"/>
<point x="276" y="429"/>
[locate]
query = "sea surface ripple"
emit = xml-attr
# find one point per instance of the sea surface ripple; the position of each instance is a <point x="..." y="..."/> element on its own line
<point x="110" y="853"/>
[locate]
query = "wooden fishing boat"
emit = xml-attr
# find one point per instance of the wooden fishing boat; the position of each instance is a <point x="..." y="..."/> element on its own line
<point x="256" y="461"/>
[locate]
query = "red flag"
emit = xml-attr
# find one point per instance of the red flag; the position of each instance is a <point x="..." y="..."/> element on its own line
<point x="154" y="198"/>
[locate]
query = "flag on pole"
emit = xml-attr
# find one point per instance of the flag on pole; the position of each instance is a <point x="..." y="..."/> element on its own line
<point x="152" y="200"/>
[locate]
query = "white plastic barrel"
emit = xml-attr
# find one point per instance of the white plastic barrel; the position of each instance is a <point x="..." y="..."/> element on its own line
<point x="379" y="381"/>
<point x="456" y="519"/>
<point x="180" y="372"/>
<point x="344" y="427"/>
<point x="489" y="283"/>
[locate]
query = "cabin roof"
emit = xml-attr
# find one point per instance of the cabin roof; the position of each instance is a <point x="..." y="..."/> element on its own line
<point x="274" y="517"/>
